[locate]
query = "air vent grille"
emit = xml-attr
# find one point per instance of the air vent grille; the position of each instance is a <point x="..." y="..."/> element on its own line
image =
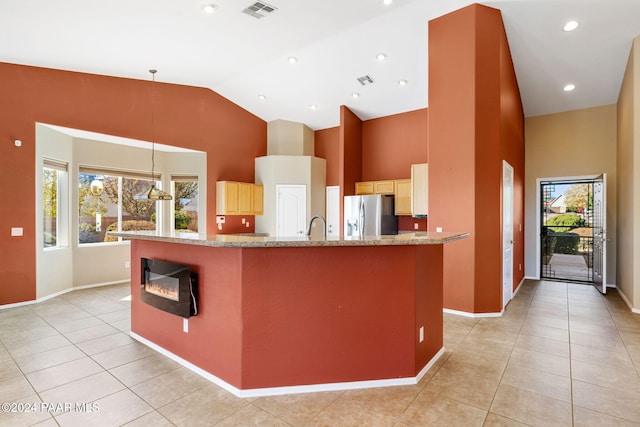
<point x="259" y="10"/>
<point x="365" y="80"/>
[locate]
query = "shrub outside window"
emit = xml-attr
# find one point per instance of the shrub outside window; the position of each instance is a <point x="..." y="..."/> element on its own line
<point x="106" y="203"/>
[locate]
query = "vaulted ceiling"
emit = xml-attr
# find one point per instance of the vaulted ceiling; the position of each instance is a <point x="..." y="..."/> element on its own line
<point x="335" y="42"/>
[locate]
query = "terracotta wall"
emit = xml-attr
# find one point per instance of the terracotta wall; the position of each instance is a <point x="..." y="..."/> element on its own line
<point x="475" y="121"/>
<point x="327" y="146"/>
<point x="391" y="144"/>
<point x="189" y="117"/>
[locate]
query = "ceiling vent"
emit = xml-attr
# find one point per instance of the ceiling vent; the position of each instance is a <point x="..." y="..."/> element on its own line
<point x="260" y="10"/>
<point x="365" y="80"/>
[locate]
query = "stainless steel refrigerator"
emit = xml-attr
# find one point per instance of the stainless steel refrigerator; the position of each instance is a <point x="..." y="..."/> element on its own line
<point x="370" y="215"/>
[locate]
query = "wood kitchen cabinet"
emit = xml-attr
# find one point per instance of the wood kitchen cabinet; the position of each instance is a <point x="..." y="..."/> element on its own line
<point x="403" y="197"/>
<point x="238" y="198"/>
<point x="375" y="187"/>
<point x="420" y="189"/>
<point x="364" y="188"/>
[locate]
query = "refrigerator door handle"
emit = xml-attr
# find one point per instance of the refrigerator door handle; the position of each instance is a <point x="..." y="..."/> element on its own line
<point x="362" y="217"/>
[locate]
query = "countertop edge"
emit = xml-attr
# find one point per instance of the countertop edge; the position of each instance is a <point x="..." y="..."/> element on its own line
<point x="243" y="241"/>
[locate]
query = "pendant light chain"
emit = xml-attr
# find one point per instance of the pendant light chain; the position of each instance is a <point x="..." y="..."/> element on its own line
<point x="153" y="127"/>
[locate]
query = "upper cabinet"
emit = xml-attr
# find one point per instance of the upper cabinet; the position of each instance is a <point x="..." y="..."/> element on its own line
<point x="238" y="198"/>
<point x="376" y="187"/>
<point x="419" y="189"/>
<point x="403" y="197"/>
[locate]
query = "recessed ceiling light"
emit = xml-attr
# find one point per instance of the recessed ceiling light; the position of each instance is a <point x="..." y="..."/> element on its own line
<point x="292" y="59"/>
<point x="571" y="25"/>
<point x="381" y="56"/>
<point x="402" y="82"/>
<point x="355" y="95"/>
<point x="387" y="2"/>
<point x="262" y="97"/>
<point x="569" y="87"/>
<point x="210" y="8"/>
<point x="313" y="107"/>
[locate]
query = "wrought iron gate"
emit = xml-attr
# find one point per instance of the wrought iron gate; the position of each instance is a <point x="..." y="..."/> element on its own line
<point x="566" y="231"/>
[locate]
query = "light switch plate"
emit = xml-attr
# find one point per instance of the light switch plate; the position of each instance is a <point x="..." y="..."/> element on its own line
<point x="17" y="231"/>
<point x="438" y="229"/>
<point x="220" y="219"/>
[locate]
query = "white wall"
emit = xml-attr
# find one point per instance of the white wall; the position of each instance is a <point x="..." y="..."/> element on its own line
<point x="94" y="264"/>
<point x="301" y="170"/>
<point x="53" y="265"/>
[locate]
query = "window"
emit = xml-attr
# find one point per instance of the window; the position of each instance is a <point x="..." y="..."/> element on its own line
<point x="185" y="206"/>
<point x="106" y="203"/>
<point x="54" y="174"/>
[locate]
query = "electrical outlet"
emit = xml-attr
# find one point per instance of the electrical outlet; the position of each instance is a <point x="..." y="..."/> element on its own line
<point x="185" y="325"/>
<point x="415" y="226"/>
<point x="16" y="231"/>
<point x="248" y="224"/>
<point x="438" y="229"/>
<point x="244" y="220"/>
<point x="127" y="264"/>
<point x="421" y="333"/>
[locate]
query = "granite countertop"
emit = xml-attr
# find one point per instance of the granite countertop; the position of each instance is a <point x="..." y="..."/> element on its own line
<point x="261" y="241"/>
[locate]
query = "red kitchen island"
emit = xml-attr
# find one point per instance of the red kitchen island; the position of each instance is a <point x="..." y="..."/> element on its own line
<point x="288" y="315"/>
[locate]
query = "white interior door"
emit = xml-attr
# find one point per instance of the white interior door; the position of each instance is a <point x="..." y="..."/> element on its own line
<point x="333" y="211"/>
<point x="291" y="212"/>
<point x="600" y="233"/>
<point x="507" y="233"/>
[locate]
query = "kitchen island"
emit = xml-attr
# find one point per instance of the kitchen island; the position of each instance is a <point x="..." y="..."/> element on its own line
<point x="286" y="315"/>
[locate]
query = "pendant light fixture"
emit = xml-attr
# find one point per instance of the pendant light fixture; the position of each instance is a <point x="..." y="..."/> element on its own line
<point x="153" y="193"/>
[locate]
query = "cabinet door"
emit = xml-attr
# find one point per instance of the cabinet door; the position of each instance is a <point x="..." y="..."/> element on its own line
<point x="226" y="198"/>
<point x="384" y="187"/>
<point x="258" y="199"/>
<point x="420" y="189"/>
<point x="403" y="197"/>
<point x="364" y="187"/>
<point x="245" y="198"/>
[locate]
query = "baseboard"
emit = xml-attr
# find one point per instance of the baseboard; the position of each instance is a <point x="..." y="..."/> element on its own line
<point x="518" y="287"/>
<point x="277" y="391"/>
<point x="472" y="315"/>
<point x="57" y="294"/>
<point x="626" y="301"/>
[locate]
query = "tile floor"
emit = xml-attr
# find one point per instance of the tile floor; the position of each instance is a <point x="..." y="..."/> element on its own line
<point x="561" y="355"/>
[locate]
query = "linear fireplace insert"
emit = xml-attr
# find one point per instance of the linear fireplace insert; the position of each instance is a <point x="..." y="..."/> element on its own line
<point x="169" y="286"/>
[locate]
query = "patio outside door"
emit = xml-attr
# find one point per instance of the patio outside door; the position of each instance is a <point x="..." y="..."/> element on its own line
<point x="600" y="233"/>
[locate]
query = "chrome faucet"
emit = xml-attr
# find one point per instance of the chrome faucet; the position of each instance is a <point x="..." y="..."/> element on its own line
<point x="324" y="225"/>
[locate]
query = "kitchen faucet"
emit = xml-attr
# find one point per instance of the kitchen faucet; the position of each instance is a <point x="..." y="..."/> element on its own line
<point x="324" y="225"/>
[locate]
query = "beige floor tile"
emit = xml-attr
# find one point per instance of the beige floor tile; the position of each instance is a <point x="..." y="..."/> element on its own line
<point x="90" y="333"/>
<point x="392" y="401"/>
<point x="603" y="342"/>
<point x="531" y="408"/>
<point x="540" y="361"/>
<point x="546" y="321"/>
<point x="583" y="417"/>
<point x="141" y="370"/>
<point x="251" y="415"/>
<point x="494" y="420"/>
<point x="543" y="345"/>
<point x="98" y="345"/>
<point x="75" y="325"/>
<point x="490" y="365"/>
<point x="63" y="373"/>
<point x="123" y="325"/>
<point x="27" y="332"/>
<point x="152" y="419"/>
<point x="204" y="407"/>
<point x="49" y="358"/>
<point x="598" y="329"/>
<point x="467" y="385"/>
<point x="297" y="409"/>
<point x="545" y="332"/>
<point x="9" y="369"/>
<point x="32" y="347"/>
<point x="619" y="358"/>
<point x="617" y="403"/>
<point x="86" y="389"/>
<point x="432" y="409"/>
<point x="49" y="422"/>
<point x="67" y="316"/>
<point x="609" y="376"/>
<point x="114" y="316"/>
<point x="536" y="381"/>
<point x="166" y="388"/>
<point x="346" y="413"/>
<point x="13" y="389"/>
<point x="113" y="410"/>
<point x="121" y="355"/>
